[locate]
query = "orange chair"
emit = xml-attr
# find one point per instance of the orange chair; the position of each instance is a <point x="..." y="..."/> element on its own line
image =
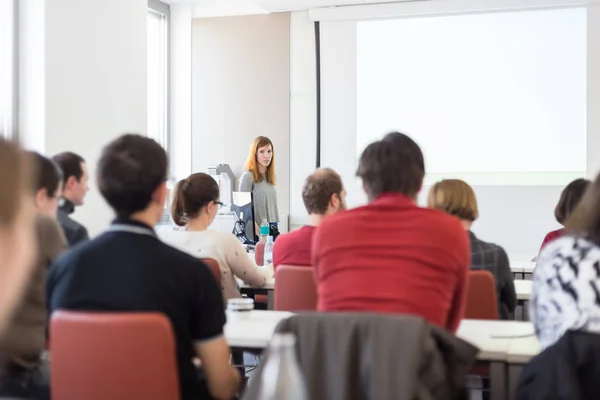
<point x="214" y="267"/>
<point x="117" y="356"/>
<point x="295" y="289"/>
<point x="482" y="302"/>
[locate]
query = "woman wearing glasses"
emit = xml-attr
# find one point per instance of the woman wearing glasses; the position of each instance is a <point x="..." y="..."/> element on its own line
<point x="195" y="206"/>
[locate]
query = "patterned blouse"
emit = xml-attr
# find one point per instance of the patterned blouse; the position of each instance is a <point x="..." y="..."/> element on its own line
<point x="566" y="289"/>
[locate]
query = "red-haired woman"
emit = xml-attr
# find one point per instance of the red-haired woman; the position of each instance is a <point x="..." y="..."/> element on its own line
<point x="259" y="178"/>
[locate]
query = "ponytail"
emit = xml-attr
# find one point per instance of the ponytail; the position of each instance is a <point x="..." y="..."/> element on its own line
<point x="191" y="195"/>
<point x="179" y="206"/>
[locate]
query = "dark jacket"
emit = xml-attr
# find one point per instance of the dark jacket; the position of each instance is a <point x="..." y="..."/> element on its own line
<point x="491" y="257"/>
<point x="375" y="356"/>
<point x="74" y="231"/>
<point x="569" y="369"/>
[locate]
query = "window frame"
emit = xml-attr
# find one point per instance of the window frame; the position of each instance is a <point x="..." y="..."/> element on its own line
<point x="164" y="9"/>
<point x="9" y="127"/>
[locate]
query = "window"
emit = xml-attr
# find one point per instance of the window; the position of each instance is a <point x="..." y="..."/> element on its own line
<point x="158" y="72"/>
<point x="7" y="68"/>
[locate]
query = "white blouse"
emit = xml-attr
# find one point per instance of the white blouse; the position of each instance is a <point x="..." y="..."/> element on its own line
<point x="222" y="247"/>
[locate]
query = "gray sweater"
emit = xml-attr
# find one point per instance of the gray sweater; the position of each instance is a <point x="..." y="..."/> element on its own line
<point x="265" y="197"/>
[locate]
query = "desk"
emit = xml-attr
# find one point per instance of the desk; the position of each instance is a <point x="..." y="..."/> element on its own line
<point x="522" y="269"/>
<point x="500" y="342"/>
<point x="520" y="351"/>
<point x="523" y="289"/>
<point x="254" y="329"/>
<point x="494" y="338"/>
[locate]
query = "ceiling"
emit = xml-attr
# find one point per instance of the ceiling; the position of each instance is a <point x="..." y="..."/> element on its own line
<point x="209" y="8"/>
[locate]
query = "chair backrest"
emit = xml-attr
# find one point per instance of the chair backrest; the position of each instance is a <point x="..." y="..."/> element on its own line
<point x="214" y="267"/>
<point x="117" y="356"/>
<point x="482" y="302"/>
<point x="295" y="288"/>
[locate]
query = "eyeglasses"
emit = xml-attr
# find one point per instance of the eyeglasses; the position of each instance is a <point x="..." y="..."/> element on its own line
<point x="220" y="204"/>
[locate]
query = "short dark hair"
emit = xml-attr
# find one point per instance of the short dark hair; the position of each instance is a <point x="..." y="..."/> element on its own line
<point x="70" y="165"/>
<point x="569" y="198"/>
<point x="393" y="164"/>
<point x="191" y="194"/>
<point x="585" y="218"/>
<point x="46" y="173"/>
<point x="318" y="189"/>
<point x="130" y="169"/>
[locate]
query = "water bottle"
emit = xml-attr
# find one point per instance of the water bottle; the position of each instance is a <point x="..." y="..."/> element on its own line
<point x="264" y="230"/>
<point x="281" y="378"/>
<point x="268" y="258"/>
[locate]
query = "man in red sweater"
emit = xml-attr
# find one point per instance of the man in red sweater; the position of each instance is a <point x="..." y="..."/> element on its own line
<point x="391" y="255"/>
<point x="324" y="195"/>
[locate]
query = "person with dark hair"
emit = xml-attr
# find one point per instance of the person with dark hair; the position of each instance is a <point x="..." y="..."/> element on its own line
<point x="392" y="255"/>
<point x="457" y="198"/>
<point x="75" y="186"/>
<point x="323" y="195"/>
<point x="565" y="308"/>
<point x="194" y="208"/>
<point x="569" y="198"/>
<point x="25" y="373"/>
<point x="128" y="269"/>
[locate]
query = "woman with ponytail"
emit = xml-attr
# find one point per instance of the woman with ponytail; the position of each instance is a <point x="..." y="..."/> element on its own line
<point x="195" y="206"/>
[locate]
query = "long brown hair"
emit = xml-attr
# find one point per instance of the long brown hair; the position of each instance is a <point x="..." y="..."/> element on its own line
<point x="15" y="182"/>
<point x="585" y="219"/>
<point x="252" y="165"/>
<point x="191" y="195"/>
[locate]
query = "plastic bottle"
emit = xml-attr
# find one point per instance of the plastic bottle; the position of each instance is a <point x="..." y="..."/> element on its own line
<point x="281" y="378"/>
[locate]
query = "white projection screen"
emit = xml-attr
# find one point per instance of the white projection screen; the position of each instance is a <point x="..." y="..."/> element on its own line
<point x="487" y="104"/>
<point x="499" y="99"/>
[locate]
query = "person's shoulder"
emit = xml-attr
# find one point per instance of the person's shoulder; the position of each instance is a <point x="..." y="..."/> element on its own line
<point x="246" y="175"/>
<point x="46" y="225"/>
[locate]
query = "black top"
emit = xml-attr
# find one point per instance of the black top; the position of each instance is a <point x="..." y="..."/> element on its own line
<point x="569" y="369"/>
<point x="491" y="257"/>
<point x="127" y="271"/>
<point x="74" y="231"/>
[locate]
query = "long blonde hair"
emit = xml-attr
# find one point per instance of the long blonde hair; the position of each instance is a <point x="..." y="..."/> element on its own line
<point x="251" y="163"/>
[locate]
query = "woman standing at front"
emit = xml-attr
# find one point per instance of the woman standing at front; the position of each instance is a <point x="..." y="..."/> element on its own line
<point x="259" y="178"/>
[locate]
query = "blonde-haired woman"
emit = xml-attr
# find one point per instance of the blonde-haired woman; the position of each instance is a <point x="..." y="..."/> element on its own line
<point x="259" y="178"/>
<point x="457" y="198"/>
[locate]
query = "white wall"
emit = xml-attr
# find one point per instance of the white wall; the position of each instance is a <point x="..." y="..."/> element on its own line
<point x="303" y="117"/>
<point x="92" y="83"/>
<point x="240" y="90"/>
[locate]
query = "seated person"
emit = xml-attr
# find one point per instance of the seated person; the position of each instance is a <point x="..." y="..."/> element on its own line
<point x="195" y="206"/>
<point x="392" y="255"/>
<point x="75" y="186"/>
<point x="566" y="283"/>
<point x="25" y="375"/>
<point x="128" y="269"/>
<point x="323" y="195"/>
<point x="457" y="198"/>
<point x="569" y="198"/>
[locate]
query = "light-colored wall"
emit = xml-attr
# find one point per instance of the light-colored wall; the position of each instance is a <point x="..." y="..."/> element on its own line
<point x="303" y="116"/>
<point x="240" y="90"/>
<point x="94" y="83"/>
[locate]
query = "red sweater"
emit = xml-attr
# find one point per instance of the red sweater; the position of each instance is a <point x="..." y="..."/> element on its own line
<point x="393" y="256"/>
<point x="294" y="248"/>
<point x="551" y="236"/>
